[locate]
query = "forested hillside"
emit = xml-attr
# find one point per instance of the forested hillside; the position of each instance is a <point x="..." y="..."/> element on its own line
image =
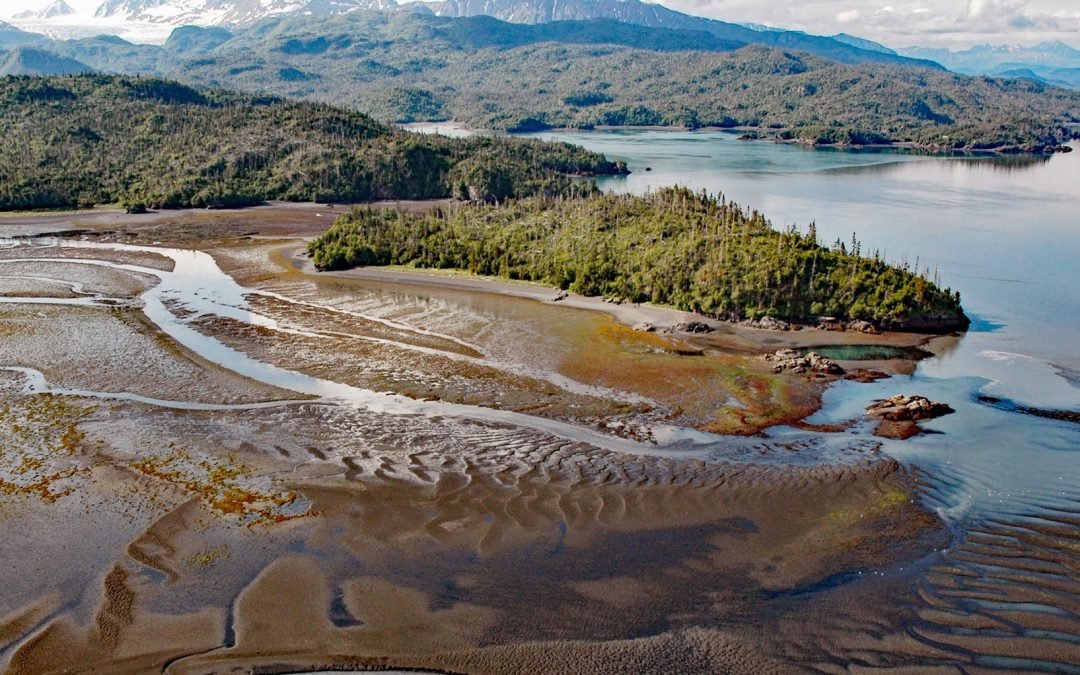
<point x="673" y="247"/>
<point x="94" y="139"/>
<point x="491" y="74"/>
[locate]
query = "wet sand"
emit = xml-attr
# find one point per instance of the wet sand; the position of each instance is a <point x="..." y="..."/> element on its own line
<point x="340" y="534"/>
<point x="439" y="552"/>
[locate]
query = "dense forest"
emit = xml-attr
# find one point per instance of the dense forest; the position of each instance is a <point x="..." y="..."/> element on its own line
<point x="83" y="140"/>
<point x="402" y="67"/>
<point x="674" y="247"/>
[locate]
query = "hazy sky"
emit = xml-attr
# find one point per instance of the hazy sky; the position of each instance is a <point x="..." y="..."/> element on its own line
<point x="898" y="23"/>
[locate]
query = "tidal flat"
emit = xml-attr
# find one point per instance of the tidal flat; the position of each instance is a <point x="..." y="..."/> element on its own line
<point x="212" y="461"/>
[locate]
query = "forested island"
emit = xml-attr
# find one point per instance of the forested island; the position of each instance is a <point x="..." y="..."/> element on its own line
<point x="85" y="140"/>
<point x="489" y="74"/>
<point x="674" y="247"/>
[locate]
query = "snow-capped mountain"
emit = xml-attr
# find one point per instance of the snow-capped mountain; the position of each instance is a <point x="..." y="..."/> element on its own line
<point x="153" y="20"/>
<point x="222" y="12"/>
<point x="50" y="11"/>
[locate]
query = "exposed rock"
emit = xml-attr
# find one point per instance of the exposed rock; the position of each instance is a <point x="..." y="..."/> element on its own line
<point x="645" y="327"/>
<point x="897" y="430"/>
<point x="698" y="327"/>
<point x="789" y="359"/>
<point x="560" y="295"/>
<point x="902" y="408"/>
<point x="864" y="375"/>
<point x="861" y="326"/>
<point x="766" y="323"/>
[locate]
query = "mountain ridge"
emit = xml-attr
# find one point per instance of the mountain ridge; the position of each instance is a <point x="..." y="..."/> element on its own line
<point x="657" y="16"/>
<point x="127" y="16"/>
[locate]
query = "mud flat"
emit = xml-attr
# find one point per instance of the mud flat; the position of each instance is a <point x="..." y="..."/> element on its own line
<point x="318" y="536"/>
<point x="271" y="219"/>
<point x="268" y="499"/>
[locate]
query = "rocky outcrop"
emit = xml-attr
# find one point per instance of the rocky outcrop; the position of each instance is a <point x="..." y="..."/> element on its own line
<point x="766" y="323"/>
<point x="860" y="326"/>
<point x="793" y="361"/>
<point x="697" y="327"/>
<point x="865" y="376"/>
<point x="902" y="408"/>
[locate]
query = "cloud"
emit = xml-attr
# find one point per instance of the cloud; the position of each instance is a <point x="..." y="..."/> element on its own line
<point x="944" y="23"/>
<point x="977" y="8"/>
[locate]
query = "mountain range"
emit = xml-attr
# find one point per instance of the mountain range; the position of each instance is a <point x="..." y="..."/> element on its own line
<point x="144" y="20"/>
<point x="227" y="12"/>
<point x="410" y="66"/>
<point x="1049" y="63"/>
<point x="986" y="59"/>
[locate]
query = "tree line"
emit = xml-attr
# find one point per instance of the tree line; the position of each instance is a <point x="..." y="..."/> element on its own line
<point x="674" y="247"/>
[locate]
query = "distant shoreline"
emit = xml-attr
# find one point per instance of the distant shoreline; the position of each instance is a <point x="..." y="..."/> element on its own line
<point x="768" y="135"/>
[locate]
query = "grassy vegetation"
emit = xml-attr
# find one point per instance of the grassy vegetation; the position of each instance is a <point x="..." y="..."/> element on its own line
<point x="84" y="140"/>
<point x="673" y="247"/>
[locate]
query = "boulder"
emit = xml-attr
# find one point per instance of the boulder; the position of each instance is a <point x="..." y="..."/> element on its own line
<point x="789" y="359"/>
<point x="766" y="323"/>
<point x="698" y="327"/>
<point x="902" y="408"/>
<point x="865" y="376"/>
<point x="861" y="326"/>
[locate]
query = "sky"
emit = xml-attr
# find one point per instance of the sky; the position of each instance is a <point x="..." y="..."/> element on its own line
<point x="900" y="23"/>
<point x="956" y="24"/>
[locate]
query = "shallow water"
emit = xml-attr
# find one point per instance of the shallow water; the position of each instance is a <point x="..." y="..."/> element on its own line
<point x="863" y="352"/>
